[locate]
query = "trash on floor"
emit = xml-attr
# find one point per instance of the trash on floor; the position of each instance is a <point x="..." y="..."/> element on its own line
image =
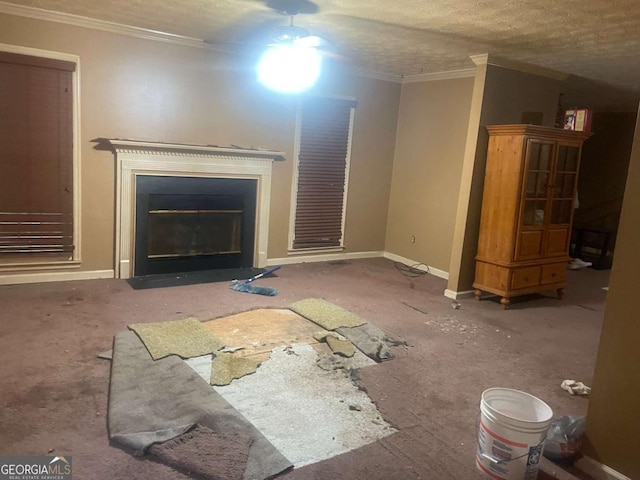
<point x="246" y="287"/>
<point x="577" y="264"/>
<point x="575" y="388"/>
<point x="563" y="437"/>
<point x="338" y="344"/>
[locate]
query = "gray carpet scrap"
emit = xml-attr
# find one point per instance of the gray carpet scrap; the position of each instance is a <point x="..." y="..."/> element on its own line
<point x="153" y="402"/>
<point x="366" y="337"/>
<point x="205" y="454"/>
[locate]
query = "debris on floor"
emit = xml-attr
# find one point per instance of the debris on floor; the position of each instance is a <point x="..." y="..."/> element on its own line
<point x="338" y="344"/>
<point x="372" y="341"/>
<point x="575" y="388"/>
<point x="305" y="379"/>
<point x="226" y="367"/>
<point x="108" y="355"/>
<point x="564" y="437"/>
<point x="578" y="263"/>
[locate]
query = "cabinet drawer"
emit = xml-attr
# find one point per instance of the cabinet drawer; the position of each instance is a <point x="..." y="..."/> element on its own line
<point x="525" y="277"/>
<point x="554" y="273"/>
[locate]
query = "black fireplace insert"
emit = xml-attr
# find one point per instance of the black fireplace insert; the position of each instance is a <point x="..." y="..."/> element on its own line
<point x="186" y="224"/>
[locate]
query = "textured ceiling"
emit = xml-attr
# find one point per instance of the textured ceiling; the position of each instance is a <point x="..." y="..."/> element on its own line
<point x="595" y="39"/>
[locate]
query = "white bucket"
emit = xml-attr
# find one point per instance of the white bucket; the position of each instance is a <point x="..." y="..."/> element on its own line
<point x="511" y="433"/>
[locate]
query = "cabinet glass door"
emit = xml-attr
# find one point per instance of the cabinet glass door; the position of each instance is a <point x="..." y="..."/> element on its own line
<point x="535" y="183"/>
<point x="562" y="190"/>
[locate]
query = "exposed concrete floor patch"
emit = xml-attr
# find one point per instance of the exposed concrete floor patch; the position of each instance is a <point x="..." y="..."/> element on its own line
<point x="308" y="413"/>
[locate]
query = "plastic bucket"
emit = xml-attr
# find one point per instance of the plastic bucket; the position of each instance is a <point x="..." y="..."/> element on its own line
<point x="511" y="433"/>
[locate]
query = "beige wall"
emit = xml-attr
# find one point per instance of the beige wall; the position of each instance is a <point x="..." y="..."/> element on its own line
<point x="430" y="140"/>
<point x="613" y="419"/>
<point x="372" y="152"/>
<point x="506" y="96"/>
<point x="144" y="89"/>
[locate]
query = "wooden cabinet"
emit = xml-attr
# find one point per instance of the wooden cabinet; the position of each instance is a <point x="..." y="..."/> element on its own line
<point x="527" y="209"/>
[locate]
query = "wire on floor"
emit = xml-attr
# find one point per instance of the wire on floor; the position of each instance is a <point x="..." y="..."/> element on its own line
<point x="411" y="270"/>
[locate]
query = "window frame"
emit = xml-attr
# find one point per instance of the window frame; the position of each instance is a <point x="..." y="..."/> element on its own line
<point x="296" y="170"/>
<point x="33" y="262"/>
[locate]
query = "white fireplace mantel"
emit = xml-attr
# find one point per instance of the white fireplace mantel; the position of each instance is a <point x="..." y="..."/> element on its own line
<point x="135" y="158"/>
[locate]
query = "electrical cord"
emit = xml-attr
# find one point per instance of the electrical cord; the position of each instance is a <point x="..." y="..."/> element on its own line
<point x="411" y="270"/>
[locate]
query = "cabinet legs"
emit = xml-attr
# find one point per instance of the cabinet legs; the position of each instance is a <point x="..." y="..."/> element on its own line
<point x="504" y="301"/>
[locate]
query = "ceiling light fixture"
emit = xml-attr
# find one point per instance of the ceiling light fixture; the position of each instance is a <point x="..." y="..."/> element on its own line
<point x="292" y="63"/>
<point x="289" y="68"/>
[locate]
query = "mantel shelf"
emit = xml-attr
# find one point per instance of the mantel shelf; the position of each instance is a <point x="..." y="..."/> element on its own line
<point x="119" y="144"/>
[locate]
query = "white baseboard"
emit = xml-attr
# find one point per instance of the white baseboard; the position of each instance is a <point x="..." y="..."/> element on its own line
<point x="322" y="257"/>
<point x="598" y="471"/>
<point x="12" y="279"/>
<point x="458" y="295"/>
<point x="328" y="257"/>
<point x="417" y="265"/>
<point x="20" y="278"/>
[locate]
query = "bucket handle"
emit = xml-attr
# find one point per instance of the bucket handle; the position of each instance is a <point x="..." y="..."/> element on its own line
<point x="493" y="460"/>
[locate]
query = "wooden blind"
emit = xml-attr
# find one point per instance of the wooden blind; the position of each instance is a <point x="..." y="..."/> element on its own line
<point x="324" y="143"/>
<point x="36" y="155"/>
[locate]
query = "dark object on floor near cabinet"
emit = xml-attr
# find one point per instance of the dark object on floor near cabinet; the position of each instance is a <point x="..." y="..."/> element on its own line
<point x="593" y="245"/>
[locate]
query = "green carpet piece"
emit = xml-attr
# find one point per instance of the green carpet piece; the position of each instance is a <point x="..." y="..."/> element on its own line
<point x="226" y="367"/>
<point x="341" y="347"/>
<point x="337" y="343"/>
<point x="326" y="314"/>
<point x="186" y="338"/>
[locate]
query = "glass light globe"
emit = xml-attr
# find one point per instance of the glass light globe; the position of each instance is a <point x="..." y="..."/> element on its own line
<point x="289" y="68"/>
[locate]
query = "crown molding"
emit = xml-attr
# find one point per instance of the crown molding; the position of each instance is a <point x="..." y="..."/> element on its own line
<point x="95" y="24"/>
<point x="431" y="77"/>
<point x="487" y="59"/>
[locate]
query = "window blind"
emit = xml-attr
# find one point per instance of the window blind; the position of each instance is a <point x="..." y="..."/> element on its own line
<point x="36" y="155"/>
<point x="322" y="161"/>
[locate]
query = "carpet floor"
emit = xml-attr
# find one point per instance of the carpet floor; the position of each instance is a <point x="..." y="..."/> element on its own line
<point x="54" y="389"/>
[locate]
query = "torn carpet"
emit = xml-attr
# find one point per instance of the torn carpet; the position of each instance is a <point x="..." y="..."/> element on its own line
<point x="155" y="401"/>
<point x="326" y="314"/>
<point x="186" y="338"/>
<point x="205" y="453"/>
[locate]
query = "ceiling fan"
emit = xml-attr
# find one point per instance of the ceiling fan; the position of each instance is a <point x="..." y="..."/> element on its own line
<point x="291" y="33"/>
<point x="251" y="38"/>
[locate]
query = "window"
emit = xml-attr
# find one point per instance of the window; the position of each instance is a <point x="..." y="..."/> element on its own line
<point x="322" y="172"/>
<point x="36" y="157"/>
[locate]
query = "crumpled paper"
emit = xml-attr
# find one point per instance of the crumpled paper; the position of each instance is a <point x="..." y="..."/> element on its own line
<point x="575" y="388"/>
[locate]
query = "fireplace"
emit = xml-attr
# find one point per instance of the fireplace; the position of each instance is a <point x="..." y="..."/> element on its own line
<point x="185" y="224"/>
<point x="190" y="207"/>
